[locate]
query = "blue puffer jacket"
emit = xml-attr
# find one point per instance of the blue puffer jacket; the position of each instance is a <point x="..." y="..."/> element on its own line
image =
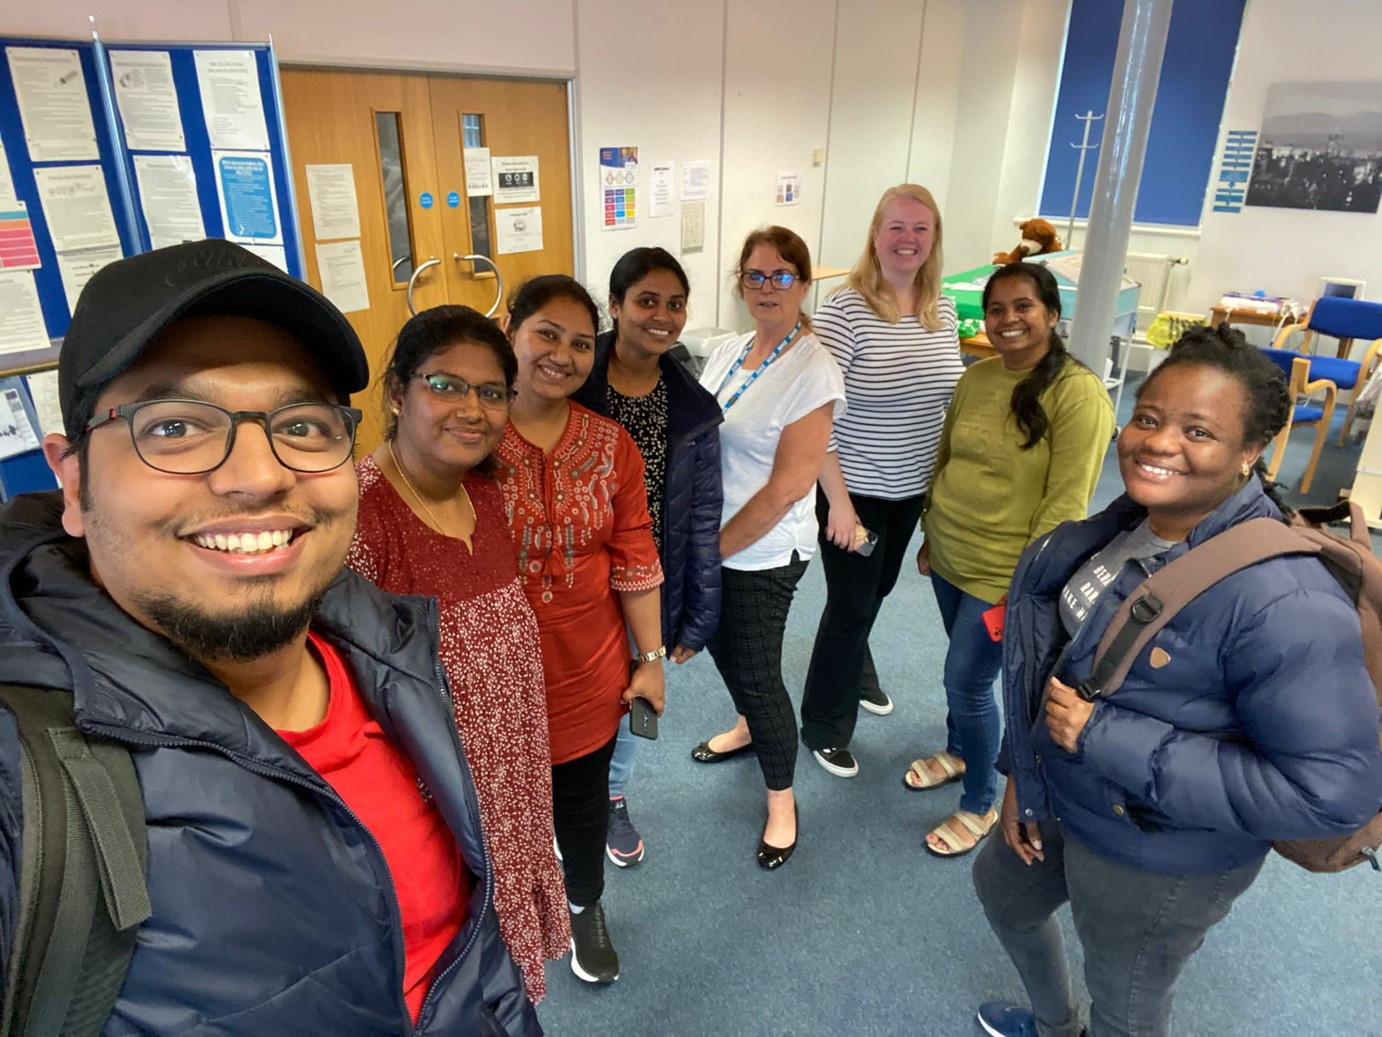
<point x="1262" y="726"/>
<point x="691" y="501"/>
<point x="273" y="909"/>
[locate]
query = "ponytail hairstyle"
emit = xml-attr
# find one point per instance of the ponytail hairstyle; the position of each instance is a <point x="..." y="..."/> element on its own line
<point x="790" y="247"/>
<point x="1264" y="384"/>
<point x="1031" y="417"/>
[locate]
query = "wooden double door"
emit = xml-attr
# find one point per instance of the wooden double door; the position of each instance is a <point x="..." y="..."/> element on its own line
<point x="462" y="185"/>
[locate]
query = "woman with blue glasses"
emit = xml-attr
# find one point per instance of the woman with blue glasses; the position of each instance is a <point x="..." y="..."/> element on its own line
<point x="780" y="392"/>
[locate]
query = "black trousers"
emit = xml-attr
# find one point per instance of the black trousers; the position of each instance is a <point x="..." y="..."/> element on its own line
<point x="580" y="815"/>
<point x="747" y="649"/>
<point x="855" y="586"/>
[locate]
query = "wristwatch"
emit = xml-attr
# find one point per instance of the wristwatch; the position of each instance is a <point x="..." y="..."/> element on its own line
<point x="660" y="652"/>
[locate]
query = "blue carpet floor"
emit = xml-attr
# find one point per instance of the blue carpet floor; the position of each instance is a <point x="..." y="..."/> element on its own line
<point x="864" y="933"/>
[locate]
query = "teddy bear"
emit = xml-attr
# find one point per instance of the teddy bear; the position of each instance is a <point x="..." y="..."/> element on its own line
<point x="1038" y="238"/>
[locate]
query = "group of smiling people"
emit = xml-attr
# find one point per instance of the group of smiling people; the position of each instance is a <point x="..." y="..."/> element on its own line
<point x="582" y="507"/>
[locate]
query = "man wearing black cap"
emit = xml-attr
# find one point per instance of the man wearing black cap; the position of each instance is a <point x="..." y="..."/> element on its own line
<point x="314" y="862"/>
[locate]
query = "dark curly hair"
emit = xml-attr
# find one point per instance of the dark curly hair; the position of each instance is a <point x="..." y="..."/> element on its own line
<point x="1269" y="400"/>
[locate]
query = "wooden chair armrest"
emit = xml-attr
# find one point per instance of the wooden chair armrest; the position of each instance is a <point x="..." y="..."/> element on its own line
<point x="1330" y="390"/>
<point x="1285" y="333"/>
<point x="1370" y="360"/>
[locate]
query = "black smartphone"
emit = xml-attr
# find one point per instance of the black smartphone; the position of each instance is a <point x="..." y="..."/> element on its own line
<point x="642" y="718"/>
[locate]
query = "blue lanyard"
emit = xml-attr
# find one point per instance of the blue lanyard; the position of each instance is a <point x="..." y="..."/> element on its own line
<point x="738" y="364"/>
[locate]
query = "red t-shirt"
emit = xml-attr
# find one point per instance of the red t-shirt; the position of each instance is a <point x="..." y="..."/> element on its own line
<point x="379" y="783"/>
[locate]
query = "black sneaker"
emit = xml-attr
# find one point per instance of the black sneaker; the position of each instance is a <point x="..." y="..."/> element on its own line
<point x="592" y="954"/>
<point x="839" y="762"/>
<point x="623" y="844"/>
<point x="876" y="701"/>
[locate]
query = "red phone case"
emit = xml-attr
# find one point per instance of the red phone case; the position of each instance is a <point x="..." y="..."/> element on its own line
<point x="993" y="621"/>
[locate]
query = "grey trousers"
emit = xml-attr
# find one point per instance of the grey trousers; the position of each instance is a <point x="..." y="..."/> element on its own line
<point x="1138" y="929"/>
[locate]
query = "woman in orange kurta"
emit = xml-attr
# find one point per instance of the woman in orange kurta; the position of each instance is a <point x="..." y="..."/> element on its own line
<point x="574" y="492"/>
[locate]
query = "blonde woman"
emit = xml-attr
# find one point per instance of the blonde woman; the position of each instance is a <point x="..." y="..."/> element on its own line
<point x="894" y="337"/>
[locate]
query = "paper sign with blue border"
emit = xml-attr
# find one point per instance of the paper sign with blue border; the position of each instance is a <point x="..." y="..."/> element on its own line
<point x="249" y="201"/>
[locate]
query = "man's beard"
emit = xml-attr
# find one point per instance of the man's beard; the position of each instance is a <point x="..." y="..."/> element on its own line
<point x="261" y="628"/>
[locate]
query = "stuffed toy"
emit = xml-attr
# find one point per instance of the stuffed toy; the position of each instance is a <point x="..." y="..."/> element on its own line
<point x="1038" y="238"/>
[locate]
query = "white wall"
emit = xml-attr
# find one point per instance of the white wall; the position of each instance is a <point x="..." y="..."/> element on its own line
<point x="1287" y="250"/>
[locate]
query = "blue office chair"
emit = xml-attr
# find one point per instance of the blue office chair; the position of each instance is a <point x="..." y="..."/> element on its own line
<point x="1346" y="320"/>
<point x="1297" y="369"/>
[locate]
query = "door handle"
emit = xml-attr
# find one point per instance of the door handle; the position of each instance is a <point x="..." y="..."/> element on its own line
<point x="498" y="277"/>
<point x="412" y="281"/>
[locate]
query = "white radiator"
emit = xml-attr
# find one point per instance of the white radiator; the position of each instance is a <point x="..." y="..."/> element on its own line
<point x="1153" y="271"/>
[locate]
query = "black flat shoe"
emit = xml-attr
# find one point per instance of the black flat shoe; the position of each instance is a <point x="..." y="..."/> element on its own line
<point x="704" y="754"/>
<point x="772" y="857"/>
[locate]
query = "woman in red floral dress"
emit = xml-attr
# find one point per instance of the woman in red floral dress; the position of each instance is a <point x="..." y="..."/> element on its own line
<point x="573" y="487"/>
<point x="432" y="522"/>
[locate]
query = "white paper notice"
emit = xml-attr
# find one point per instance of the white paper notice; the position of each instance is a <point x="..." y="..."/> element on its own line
<point x="515" y="179"/>
<point x="335" y="211"/>
<point x="479" y="183"/>
<point x="16" y="434"/>
<point x="695" y="180"/>
<point x="788" y="189"/>
<point x="342" y="268"/>
<point x="234" y="108"/>
<point x="77" y="207"/>
<point x="518" y="230"/>
<point x="692" y="227"/>
<point x="249" y="199"/>
<point x="21" y="317"/>
<point x="148" y="100"/>
<point x="168" y="196"/>
<point x="51" y="90"/>
<point x="7" y="196"/>
<point x="660" y="189"/>
<point x="77" y="267"/>
<point x="43" y="390"/>
<point x="275" y="254"/>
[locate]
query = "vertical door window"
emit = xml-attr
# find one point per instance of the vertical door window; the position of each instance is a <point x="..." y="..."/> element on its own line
<point x="473" y="136"/>
<point x="389" y="131"/>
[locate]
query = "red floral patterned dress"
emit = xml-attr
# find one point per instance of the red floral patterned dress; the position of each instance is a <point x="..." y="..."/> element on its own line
<point x="579" y="518"/>
<point x="489" y="646"/>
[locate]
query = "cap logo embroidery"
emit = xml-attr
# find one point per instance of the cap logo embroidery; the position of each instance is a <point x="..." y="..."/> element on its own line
<point x="1160" y="657"/>
<point x="204" y="260"/>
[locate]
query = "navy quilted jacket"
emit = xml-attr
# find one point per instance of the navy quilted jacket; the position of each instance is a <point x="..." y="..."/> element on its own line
<point x="1262" y="726"/>
<point x="273" y="909"/>
<point x="691" y="502"/>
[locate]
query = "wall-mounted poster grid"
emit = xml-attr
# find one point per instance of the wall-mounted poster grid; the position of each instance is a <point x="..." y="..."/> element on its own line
<point x="64" y="205"/>
<point x="230" y="177"/>
<point x="619" y="187"/>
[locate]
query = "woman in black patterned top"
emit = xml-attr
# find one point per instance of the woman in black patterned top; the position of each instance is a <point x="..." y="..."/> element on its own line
<point x="675" y="423"/>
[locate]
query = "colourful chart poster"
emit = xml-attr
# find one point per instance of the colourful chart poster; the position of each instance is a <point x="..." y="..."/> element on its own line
<point x="619" y="186"/>
<point x="18" y="250"/>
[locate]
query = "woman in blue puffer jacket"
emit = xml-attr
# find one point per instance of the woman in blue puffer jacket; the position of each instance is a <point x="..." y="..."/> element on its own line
<point x="1250" y="717"/>
<point x="675" y="423"/>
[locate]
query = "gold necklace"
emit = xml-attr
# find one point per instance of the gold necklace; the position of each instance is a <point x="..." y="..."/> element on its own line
<point x="422" y="503"/>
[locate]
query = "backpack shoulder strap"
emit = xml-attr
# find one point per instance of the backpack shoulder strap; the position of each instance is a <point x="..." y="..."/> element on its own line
<point x="1168" y="590"/>
<point x="81" y="885"/>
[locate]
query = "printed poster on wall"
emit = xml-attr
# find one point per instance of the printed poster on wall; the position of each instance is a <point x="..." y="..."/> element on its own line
<point x="660" y="195"/>
<point x="77" y="207"/>
<point x="231" y="101"/>
<point x="43" y="390"/>
<point x="78" y="267"/>
<point x="341" y="265"/>
<point x="21" y="317"/>
<point x="16" y="434"/>
<point x="788" y="189"/>
<point x="479" y="179"/>
<point x="518" y="230"/>
<point x="695" y="180"/>
<point x="619" y="187"/>
<point x="168" y="196"/>
<point x="18" y="247"/>
<point x="515" y="179"/>
<point x="331" y="193"/>
<point x="7" y="194"/>
<point x="50" y="88"/>
<point x="249" y="201"/>
<point x="147" y="99"/>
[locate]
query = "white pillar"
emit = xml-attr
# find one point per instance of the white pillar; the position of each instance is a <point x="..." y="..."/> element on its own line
<point x="1132" y="95"/>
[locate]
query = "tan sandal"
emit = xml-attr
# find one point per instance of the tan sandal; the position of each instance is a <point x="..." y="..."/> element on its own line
<point x="948" y="831"/>
<point x="953" y="766"/>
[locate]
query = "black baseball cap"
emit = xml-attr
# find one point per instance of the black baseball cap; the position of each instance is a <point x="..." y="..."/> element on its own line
<point x="129" y="303"/>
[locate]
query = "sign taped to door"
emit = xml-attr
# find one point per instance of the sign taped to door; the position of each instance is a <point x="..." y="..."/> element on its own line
<point x="515" y="179"/>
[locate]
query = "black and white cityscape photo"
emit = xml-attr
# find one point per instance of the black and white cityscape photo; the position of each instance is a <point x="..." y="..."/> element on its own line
<point x="1320" y="148"/>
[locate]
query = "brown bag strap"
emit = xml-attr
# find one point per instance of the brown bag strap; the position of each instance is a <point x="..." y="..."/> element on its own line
<point x="1171" y="588"/>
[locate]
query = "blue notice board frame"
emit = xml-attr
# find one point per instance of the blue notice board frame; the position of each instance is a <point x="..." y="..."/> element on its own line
<point x="197" y="141"/>
<point x="52" y="296"/>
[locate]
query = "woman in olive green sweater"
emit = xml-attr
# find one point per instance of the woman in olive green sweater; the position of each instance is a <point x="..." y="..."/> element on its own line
<point x="1020" y="452"/>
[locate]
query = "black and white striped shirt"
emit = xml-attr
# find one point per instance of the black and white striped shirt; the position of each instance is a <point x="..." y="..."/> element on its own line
<point x="898" y="382"/>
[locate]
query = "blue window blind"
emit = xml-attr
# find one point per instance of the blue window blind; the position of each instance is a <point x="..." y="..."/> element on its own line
<point x="1185" y="123"/>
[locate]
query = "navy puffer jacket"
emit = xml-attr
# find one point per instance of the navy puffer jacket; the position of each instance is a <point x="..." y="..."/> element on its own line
<point x="1262" y="726"/>
<point x="273" y="909"/>
<point x="691" y="501"/>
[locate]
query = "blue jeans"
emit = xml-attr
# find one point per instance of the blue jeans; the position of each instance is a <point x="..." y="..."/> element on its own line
<point x="1138" y="929"/>
<point x="972" y="663"/>
<point x="622" y="762"/>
